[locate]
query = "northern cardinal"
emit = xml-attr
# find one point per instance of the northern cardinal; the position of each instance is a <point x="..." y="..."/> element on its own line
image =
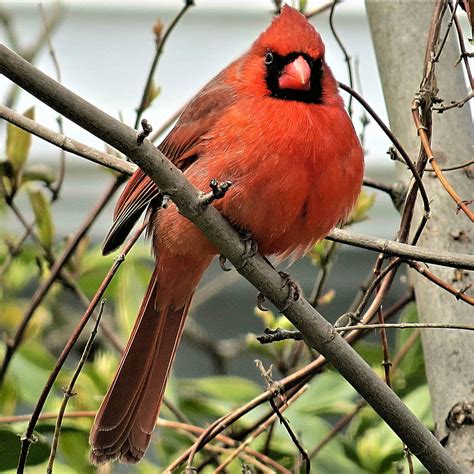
<point x="273" y="124"/>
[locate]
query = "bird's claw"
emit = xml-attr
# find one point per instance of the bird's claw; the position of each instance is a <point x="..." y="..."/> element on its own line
<point x="294" y="291"/>
<point x="260" y="302"/>
<point x="250" y="248"/>
<point x="218" y="191"/>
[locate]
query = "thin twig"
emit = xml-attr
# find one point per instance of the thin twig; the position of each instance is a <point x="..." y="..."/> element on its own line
<point x="322" y="8"/>
<point x="397" y="249"/>
<point x="185" y="427"/>
<point x="159" y="50"/>
<point x="459" y="294"/>
<point x="225" y="439"/>
<point x="390" y="189"/>
<point x="69" y="392"/>
<point x="47" y="416"/>
<point x="394" y="140"/>
<point x="379" y="282"/>
<point x="259" y="430"/>
<point x="271" y="385"/>
<point x="425" y="141"/>
<point x="386" y="363"/>
<point x="276" y="335"/>
<point x="347" y="58"/>
<point x="454" y="104"/>
<point x="466" y="164"/>
<point x="464" y="54"/>
<point x="446" y="33"/>
<point x="294" y="439"/>
<point x="464" y="327"/>
<point x="55" y="187"/>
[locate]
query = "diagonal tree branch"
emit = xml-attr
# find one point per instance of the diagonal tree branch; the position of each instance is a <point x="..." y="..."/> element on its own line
<point x="66" y="143"/>
<point x="317" y="331"/>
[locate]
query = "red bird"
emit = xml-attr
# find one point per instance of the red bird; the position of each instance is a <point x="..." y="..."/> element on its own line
<point x="273" y="124"/>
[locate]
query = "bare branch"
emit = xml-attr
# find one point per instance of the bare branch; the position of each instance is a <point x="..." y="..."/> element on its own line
<point x="66" y="143"/>
<point x="68" y="393"/>
<point x="396" y="249"/>
<point x="159" y="49"/>
<point x="347" y="58"/>
<point x="55" y="187"/>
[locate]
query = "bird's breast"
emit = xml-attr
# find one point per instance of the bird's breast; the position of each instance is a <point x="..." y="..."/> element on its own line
<point x="296" y="171"/>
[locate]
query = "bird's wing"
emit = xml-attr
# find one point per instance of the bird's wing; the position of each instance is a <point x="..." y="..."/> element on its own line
<point x="181" y="147"/>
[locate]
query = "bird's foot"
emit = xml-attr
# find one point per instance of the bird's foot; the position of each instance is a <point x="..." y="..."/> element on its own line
<point x="294" y="291"/>
<point x="218" y="191"/>
<point x="250" y="248"/>
<point x="261" y="302"/>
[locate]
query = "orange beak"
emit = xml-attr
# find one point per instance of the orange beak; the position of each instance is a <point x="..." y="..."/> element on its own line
<point x="296" y="75"/>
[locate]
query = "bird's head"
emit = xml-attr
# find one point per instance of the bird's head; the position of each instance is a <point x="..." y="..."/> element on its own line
<point x="289" y="57"/>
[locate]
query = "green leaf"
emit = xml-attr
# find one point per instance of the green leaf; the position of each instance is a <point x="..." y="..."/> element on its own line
<point x="130" y="293"/>
<point x="31" y="367"/>
<point x="10" y="450"/>
<point x="329" y="394"/>
<point x="319" y="251"/>
<point x="44" y="221"/>
<point x="232" y="389"/>
<point x="75" y="447"/>
<point x="19" y="143"/>
<point x="363" y="205"/>
<point x="376" y="445"/>
<point x="38" y="173"/>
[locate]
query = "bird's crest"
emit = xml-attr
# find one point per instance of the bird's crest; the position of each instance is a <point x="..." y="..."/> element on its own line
<point x="290" y="32"/>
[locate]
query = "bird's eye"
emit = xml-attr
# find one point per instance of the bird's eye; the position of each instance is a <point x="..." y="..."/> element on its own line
<point x="269" y="58"/>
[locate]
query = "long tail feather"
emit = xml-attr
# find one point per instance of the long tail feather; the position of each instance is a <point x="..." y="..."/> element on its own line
<point x="124" y="423"/>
